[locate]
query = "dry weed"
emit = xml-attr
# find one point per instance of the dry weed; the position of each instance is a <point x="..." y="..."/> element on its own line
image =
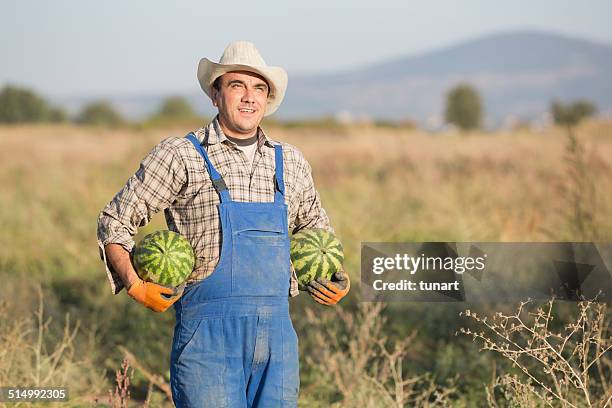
<point x="580" y="191"/>
<point x="31" y="355"/>
<point x="568" y="366"/>
<point x="364" y="366"/>
<point x="120" y="398"/>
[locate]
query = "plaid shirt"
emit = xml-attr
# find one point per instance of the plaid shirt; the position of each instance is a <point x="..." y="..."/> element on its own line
<point x="173" y="178"/>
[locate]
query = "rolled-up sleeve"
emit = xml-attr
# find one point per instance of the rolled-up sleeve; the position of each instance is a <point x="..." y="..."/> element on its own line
<point x="310" y="213"/>
<point x="155" y="185"/>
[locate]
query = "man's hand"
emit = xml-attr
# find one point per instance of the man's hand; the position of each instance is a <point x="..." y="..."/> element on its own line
<point x="156" y="297"/>
<point x="328" y="292"/>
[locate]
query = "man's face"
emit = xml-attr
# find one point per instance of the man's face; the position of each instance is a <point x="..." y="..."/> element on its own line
<point x="241" y="101"/>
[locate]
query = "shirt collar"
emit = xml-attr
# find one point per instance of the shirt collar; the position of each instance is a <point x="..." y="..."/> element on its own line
<point x="215" y="135"/>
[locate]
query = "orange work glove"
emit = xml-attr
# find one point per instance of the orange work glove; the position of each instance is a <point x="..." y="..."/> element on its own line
<point x="156" y="297"/>
<point x="328" y="292"/>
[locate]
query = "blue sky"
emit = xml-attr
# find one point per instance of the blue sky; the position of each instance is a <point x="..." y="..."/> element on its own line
<point x="81" y="47"/>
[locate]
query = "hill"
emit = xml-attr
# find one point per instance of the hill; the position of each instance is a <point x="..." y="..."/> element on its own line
<point x="517" y="73"/>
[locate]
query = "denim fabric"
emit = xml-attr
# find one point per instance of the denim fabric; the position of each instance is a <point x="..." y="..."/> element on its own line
<point x="234" y="344"/>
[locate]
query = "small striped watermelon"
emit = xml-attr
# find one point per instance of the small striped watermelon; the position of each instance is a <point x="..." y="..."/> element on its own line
<point x="164" y="257"/>
<point x="315" y="253"/>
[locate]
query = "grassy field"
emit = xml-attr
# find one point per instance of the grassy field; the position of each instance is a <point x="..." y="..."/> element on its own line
<point x="59" y="324"/>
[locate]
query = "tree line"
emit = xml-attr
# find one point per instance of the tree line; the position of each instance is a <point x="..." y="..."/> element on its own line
<point x="21" y="105"/>
<point x="464" y="109"/>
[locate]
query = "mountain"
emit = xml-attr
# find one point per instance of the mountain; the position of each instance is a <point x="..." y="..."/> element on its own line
<point x="517" y="74"/>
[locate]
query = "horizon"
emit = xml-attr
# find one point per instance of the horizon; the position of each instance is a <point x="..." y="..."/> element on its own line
<point x="196" y="89"/>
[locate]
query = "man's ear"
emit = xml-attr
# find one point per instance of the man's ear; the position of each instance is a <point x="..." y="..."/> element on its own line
<point x="214" y="94"/>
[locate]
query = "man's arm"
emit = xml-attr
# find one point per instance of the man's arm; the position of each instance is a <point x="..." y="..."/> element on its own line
<point x="155" y="185"/>
<point x="310" y="213"/>
<point x="119" y="259"/>
<point x="156" y="297"/>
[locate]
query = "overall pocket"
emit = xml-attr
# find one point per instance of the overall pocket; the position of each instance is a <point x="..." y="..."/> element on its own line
<point x="260" y="264"/>
<point x="260" y="253"/>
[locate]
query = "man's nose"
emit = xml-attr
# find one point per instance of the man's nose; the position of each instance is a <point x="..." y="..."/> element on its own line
<point x="248" y="95"/>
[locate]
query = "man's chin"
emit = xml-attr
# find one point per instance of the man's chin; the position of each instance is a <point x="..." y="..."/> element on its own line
<point x="246" y="130"/>
<point x="248" y="126"/>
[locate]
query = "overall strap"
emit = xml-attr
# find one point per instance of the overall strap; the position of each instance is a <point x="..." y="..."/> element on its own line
<point x="216" y="178"/>
<point x="279" y="183"/>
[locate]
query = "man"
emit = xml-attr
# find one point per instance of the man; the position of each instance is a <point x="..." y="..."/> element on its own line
<point x="234" y="194"/>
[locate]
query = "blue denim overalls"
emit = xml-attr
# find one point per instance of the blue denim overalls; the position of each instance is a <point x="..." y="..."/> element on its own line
<point x="234" y="344"/>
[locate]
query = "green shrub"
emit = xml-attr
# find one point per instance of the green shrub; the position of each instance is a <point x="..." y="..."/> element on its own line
<point x="57" y="115"/>
<point x="464" y="107"/>
<point x="176" y="107"/>
<point x="572" y="113"/>
<point x="99" y="113"/>
<point x="174" y="111"/>
<point x="20" y="105"/>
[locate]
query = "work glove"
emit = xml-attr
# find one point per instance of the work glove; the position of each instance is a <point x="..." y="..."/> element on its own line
<point x="156" y="297"/>
<point x="329" y="292"/>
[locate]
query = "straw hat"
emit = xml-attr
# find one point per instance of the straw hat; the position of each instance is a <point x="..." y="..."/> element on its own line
<point x="243" y="56"/>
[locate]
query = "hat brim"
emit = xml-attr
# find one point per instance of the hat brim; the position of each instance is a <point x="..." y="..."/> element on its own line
<point x="276" y="77"/>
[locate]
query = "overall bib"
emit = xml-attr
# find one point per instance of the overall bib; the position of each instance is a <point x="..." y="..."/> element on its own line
<point x="234" y="344"/>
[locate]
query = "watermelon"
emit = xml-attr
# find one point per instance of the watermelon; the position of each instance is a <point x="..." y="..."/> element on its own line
<point x="315" y="253"/>
<point x="164" y="257"/>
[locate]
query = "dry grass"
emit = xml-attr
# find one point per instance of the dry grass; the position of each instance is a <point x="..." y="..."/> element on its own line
<point x="367" y="369"/>
<point x="34" y="353"/>
<point x="376" y="184"/>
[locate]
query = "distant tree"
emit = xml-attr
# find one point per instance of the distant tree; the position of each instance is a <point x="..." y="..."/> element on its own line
<point x="464" y="107"/>
<point x="99" y="113"/>
<point x="572" y="113"/>
<point x="176" y="107"/>
<point x="57" y="115"/>
<point x="20" y="105"/>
